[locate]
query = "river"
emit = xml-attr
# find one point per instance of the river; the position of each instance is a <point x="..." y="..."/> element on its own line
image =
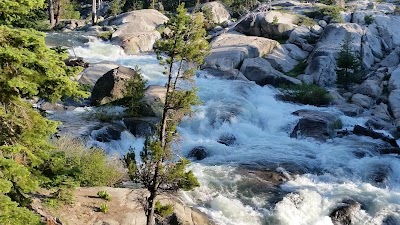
<point x="339" y="169"/>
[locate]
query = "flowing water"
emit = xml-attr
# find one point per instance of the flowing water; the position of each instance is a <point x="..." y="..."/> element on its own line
<point x="339" y="169"/>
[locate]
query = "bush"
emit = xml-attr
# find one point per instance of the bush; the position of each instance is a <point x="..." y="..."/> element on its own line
<point x="103" y="208"/>
<point x="72" y="162"/>
<point x="164" y="210"/>
<point x="306" y="21"/>
<point x="298" y="69"/>
<point x="369" y="19"/>
<point x="275" y="21"/>
<point x="135" y="89"/>
<point x="105" y="36"/>
<point x="104" y="195"/>
<point x="309" y="94"/>
<point x="332" y="11"/>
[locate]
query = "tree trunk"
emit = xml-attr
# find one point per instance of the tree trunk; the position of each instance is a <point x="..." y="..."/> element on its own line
<point x="51" y="14"/>
<point x="150" y="208"/>
<point x="58" y="14"/>
<point x="94" y="12"/>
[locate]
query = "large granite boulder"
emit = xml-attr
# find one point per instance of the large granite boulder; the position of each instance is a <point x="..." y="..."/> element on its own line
<point x="136" y="30"/>
<point x="230" y="49"/>
<point x="322" y="61"/>
<point x="219" y="11"/>
<point x="90" y="75"/>
<point x="394" y="81"/>
<point x="280" y="59"/>
<point x="362" y="100"/>
<point x="371" y="88"/>
<point x="394" y="104"/>
<point x="316" y="124"/>
<point x="271" y="24"/>
<point x="387" y="28"/>
<point x="261" y="71"/>
<point x="112" y="85"/>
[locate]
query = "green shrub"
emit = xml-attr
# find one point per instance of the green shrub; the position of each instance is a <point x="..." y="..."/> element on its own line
<point x="275" y="21"/>
<point x="332" y="11"/>
<point x="298" y="69"/>
<point x="369" y="19"/>
<point x="104" y="208"/>
<point x="104" y="195"/>
<point x="135" y="88"/>
<point x="164" y="210"/>
<point x="105" y="36"/>
<point x="306" y="94"/>
<point x="73" y="164"/>
<point x="306" y="21"/>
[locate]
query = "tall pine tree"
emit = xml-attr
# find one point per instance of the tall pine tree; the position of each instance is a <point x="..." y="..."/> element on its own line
<point x="160" y="168"/>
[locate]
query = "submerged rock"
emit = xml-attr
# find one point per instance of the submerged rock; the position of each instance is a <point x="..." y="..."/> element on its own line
<point x="140" y="127"/>
<point x="316" y="124"/>
<point x="342" y="215"/>
<point x="227" y="139"/>
<point x="199" y="153"/>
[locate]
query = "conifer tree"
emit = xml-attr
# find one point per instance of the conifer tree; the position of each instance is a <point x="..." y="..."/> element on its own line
<point x="159" y="168"/>
<point x="349" y="69"/>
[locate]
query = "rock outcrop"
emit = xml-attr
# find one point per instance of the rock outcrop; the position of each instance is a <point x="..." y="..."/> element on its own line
<point x="219" y="11"/>
<point x="316" y="124"/>
<point x="112" y="85"/>
<point x="136" y="30"/>
<point x="230" y="49"/>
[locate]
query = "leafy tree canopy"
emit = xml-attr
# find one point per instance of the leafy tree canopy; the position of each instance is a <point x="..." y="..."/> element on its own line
<point x="13" y="10"/>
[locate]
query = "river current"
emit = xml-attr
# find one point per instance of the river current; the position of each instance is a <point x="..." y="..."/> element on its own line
<point x="330" y="172"/>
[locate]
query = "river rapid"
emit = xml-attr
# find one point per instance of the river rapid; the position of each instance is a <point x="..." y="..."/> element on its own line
<point x="319" y="176"/>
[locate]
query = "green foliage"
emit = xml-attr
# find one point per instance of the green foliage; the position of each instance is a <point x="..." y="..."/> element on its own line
<point x="332" y="11"/>
<point x="12" y="214"/>
<point x="275" y="20"/>
<point x="116" y="7"/>
<point x="14" y="10"/>
<point x="306" y="21"/>
<point x="135" y="89"/>
<point x="69" y="9"/>
<point x="240" y="7"/>
<point x="369" y="19"/>
<point x="164" y="210"/>
<point x="158" y="168"/>
<point x="349" y="69"/>
<point x="105" y="36"/>
<point x="71" y="161"/>
<point x="29" y="68"/>
<point x="103" y="208"/>
<point x="306" y="94"/>
<point x="104" y="195"/>
<point x="298" y="69"/>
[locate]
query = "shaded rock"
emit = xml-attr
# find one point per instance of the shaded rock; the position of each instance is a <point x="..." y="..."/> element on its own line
<point x="227" y="139"/>
<point x="232" y="74"/>
<point x="271" y="24"/>
<point x="359" y="130"/>
<point x="111" y="132"/>
<point x="322" y="61"/>
<point x="371" y="88"/>
<point x="391" y="60"/>
<point x="362" y="100"/>
<point x="306" y="79"/>
<point x="261" y="71"/>
<point x="220" y="11"/>
<point x="295" y="52"/>
<point x="154" y="100"/>
<point x="199" y="153"/>
<point x="394" y="80"/>
<point x="140" y="127"/>
<point x="391" y="220"/>
<point x="394" y="104"/>
<point x="298" y="34"/>
<point x="384" y="151"/>
<point x="316" y="124"/>
<point x="374" y="43"/>
<point x="230" y="49"/>
<point x="112" y="85"/>
<point x="350" y="109"/>
<point x="280" y="59"/>
<point x="388" y="29"/>
<point x="76" y="62"/>
<point x="90" y="75"/>
<point x="342" y="215"/>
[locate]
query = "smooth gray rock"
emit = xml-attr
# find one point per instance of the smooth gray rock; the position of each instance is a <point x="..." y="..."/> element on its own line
<point x="362" y="100"/>
<point x="280" y="59"/>
<point x="350" y="109"/>
<point x="220" y="11"/>
<point x="391" y="60"/>
<point x="261" y="71"/>
<point x="394" y="80"/>
<point x="370" y="88"/>
<point x="394" y="104"/>
<point x="295" y="52"/>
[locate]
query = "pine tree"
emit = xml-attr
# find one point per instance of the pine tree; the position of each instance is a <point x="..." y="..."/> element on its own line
<point x="349" y="69"/>
<point x="160" y="169"/>
<point x="28" y="68"/>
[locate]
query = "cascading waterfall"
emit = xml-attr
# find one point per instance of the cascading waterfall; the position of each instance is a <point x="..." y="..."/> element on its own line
<point x="330" y="172"/>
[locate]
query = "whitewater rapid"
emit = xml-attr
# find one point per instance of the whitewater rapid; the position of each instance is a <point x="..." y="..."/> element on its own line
<point x="333" y="171"/>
